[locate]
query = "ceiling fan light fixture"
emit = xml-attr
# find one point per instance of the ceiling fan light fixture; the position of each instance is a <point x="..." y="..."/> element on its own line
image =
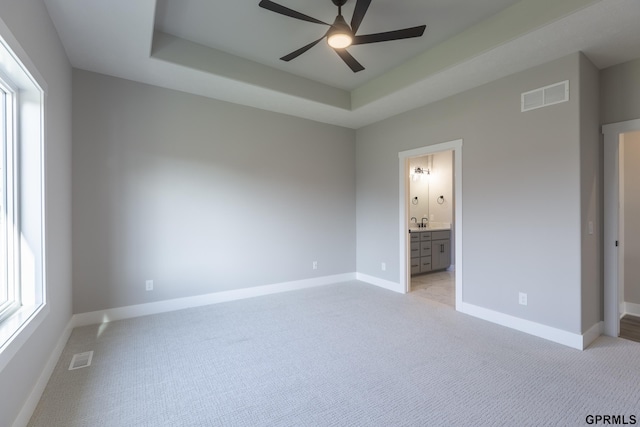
<point x="339" y="36"/>
<point x="340" y="40"/>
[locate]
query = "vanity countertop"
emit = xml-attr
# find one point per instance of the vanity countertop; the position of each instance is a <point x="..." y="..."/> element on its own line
<point x="431" y="227"/>
<point x="420" y="230"/>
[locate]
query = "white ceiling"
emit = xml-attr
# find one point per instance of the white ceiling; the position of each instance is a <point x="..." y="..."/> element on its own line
<point x="229" y="49"/>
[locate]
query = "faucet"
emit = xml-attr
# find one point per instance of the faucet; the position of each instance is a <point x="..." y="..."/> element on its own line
<point x="422" y="224"/>
<point x="414" y="219"/>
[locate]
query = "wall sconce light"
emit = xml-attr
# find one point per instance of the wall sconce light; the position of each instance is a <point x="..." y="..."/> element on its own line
<point x="418" y="172"/>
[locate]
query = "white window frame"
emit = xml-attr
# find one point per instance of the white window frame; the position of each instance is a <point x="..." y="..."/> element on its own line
<point x="26" y="195"/>
<point x="10" y="252"/>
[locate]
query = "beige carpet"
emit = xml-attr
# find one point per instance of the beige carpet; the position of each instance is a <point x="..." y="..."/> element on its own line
<point x="339" y="355"/>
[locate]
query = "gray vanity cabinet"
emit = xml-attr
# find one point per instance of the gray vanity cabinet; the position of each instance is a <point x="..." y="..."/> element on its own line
<point x="415" y="253"/>
<point x="425" y="251"/>
<point x="420" y="252"/>
<point x="441" y="249"/>
<point x="430" y="250"/>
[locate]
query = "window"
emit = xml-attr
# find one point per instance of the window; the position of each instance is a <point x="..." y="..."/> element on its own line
<point x="22" y="263"/>
<point x="9" y="251"/>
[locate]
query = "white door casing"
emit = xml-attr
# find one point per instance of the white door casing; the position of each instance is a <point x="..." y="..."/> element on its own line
<point x="612" y="294"/>
<point x="404" y="156"/>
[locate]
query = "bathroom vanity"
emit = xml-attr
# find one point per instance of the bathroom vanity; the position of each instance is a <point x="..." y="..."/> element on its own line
<point x="430" y="250"/>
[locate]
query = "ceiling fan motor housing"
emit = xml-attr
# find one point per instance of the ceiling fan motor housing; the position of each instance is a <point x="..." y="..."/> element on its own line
<point x="340" y="25"/>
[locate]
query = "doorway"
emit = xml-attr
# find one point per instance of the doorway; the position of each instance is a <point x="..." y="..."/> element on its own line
<point x="614" y="223"/>
<point x="405" y="157"/>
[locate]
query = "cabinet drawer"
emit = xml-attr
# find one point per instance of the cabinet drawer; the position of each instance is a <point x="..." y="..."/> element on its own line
<point x="425" y="235"/>
<point x="425" y="264"/>
<point x="415" y="266"/>
<point x="415" y="237"/>
<point x="425" y="248"/>
<point x="415" y="250"/>
<point x="442" y="234"/>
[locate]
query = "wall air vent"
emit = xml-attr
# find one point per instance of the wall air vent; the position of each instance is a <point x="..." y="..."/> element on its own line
<point x="545" y="96"/>
<point x="81" y="360"/>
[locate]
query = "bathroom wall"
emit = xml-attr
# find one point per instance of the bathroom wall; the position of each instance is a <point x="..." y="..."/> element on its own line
<point x="631" y="238"/>
<point x="441" y="184"/>
<point x="429" y="187"/>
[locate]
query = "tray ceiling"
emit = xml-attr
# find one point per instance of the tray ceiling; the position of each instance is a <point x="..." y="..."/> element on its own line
<point x="229" y="50"/>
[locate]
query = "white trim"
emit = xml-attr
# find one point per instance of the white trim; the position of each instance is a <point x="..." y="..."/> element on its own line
<point x="404" y="156"/>
<point x="405" y="262"/>
<point x="532" y="328"/>
<point x="29" y="406"/>
<point x="119" y="313"/>
<point x="632" y="309"/>
<point x="16" y="329"/>
<point x="612" y="296"/>
<point x="382" y="283"/>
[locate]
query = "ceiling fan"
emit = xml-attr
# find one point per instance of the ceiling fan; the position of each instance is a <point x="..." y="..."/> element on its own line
<point x="340" y="35"/>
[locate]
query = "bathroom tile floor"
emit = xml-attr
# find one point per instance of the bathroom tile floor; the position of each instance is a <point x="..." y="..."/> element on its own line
<point x="438" y="286"/>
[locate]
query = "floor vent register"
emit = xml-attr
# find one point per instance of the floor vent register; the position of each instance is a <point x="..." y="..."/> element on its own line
<point x="81" y="360"/>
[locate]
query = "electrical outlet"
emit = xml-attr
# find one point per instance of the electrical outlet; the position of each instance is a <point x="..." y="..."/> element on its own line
<point x="315" y="265"/>
<point x="149" y="285"/>
<point x="384" y="266"/>
<point x="522" y="298"/>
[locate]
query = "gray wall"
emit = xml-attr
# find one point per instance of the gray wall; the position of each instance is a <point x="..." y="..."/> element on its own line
<point x="200" y="195"/>
<point x="591" y="213"/>
<point x="29" y="23"/>
<point x="619" y="94"/>
<point x="631" y="217"/>
<point x="521" y="193"/>
<point x="620" y="101"/>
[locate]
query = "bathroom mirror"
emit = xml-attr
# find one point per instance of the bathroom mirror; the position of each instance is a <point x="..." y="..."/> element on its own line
<point x="419" y="171"/>
<point x="431" y="189"/>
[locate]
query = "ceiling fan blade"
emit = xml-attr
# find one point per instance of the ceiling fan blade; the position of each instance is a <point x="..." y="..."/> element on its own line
<point x="406" y="33"/>
<point x="358" y="14"/>
<point x="349" y="60"/>
<point x="302" y="50"/>
<point x="274" y="7"/>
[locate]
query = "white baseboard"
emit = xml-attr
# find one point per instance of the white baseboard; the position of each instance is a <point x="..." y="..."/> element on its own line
<point x="559" y="336"/>
<point x="632" y="309"/>
<point x="36" y="393"/>
<point x="387" y="284"/>
<point x="119" y="313"/>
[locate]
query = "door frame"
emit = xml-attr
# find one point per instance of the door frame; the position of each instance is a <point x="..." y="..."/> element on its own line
<point x="612" y="283"/>
<point x="404" y="156"/>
